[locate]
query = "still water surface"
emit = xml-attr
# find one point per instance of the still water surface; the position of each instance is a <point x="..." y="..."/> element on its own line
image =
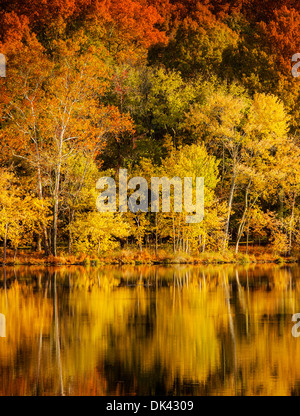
<point x="150" y="330"/>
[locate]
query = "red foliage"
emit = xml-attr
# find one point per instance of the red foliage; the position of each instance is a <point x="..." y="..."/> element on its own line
<point x="282" y="36"/>
<point x="134" y="19"/>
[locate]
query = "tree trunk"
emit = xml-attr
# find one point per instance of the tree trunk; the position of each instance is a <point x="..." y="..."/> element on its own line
<point x="174" y="237"/>
<point x="156" y="245"/>
<point x="39" y="244"/>
<point x="244" y="218"/>
<point x="5" y="243"/>
<point x="242" y="224"/>
<point x="230" y="200"/>
<point x="55" y="209"/>
<point x="55" y="215"/>
<point x="70" y="242"/>
<point x="40" y="192"/>
<point x="291" y="224"/>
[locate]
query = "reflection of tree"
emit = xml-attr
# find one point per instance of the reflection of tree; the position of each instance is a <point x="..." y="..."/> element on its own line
<point x="182" y="346"/>
<point x="57" y="337"/>
<point x="231" y="326"/>
<point x="149" y="330"/>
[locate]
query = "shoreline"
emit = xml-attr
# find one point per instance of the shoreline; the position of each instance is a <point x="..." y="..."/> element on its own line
<point x="135" y="258"/>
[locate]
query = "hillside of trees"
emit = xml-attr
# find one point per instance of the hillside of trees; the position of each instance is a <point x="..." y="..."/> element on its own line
<point x="162" y="88"/>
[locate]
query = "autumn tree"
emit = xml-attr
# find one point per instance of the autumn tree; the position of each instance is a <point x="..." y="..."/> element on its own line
<point x="22" y="215"/>
<point x="54" y="111"/>
<point x="241" y="129"/>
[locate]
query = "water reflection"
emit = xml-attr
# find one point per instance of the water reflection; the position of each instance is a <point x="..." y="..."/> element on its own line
<point x="149" y="330"/>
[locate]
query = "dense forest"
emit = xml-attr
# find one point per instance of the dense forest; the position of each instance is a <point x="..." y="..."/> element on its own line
<point x="170" y="88"/>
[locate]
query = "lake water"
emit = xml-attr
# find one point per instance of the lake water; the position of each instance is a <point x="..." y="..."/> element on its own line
<point x="149" y="330"/>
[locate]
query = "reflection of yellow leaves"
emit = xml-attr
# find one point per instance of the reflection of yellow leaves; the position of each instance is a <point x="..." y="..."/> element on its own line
<point x="25" y="314"/>
<point x="170" y="324"/>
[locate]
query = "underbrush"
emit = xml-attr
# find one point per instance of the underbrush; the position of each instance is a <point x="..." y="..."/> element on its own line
<point x="133" y="256"/>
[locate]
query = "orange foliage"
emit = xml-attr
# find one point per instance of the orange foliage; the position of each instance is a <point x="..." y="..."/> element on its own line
<point x="133" y="20"/>
<point x="282" y="35"/>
